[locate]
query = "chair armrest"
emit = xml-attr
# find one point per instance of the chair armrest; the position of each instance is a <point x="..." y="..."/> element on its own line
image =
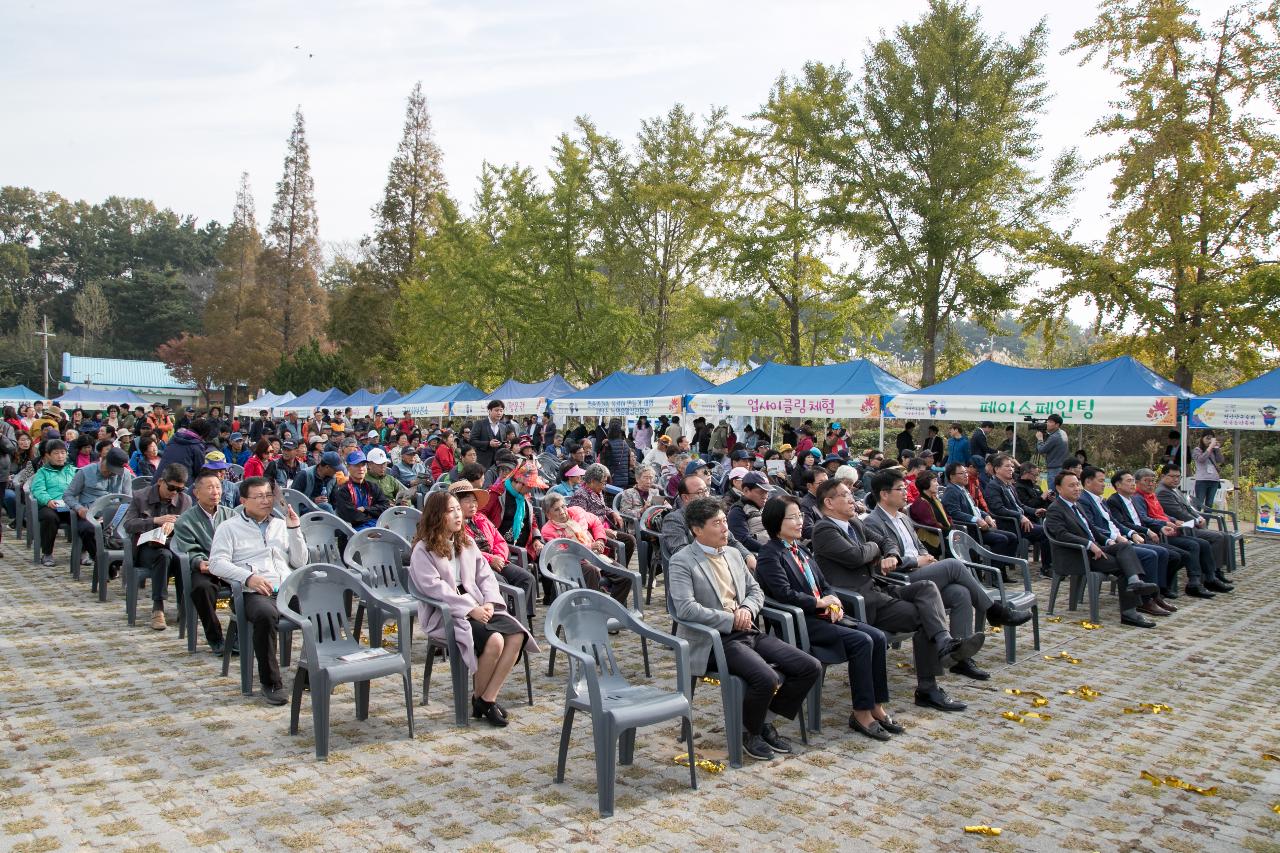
<point x="587" y="668"/>
<point x="782" y="622"/>
<point x="514" y="596"/>
<point x="717" y="647"/>
<point x="797" y="618"/>
<point x="996" y="576"/>
<point x="679" y="645"/>
<point x="852" y="601"/>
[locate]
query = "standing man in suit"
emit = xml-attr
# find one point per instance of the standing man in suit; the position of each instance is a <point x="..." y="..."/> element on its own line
<point x="1133" y="503"/>
<point x="851" y="557"/>
<point x="962" y="592"/>
<point x="978" y="441"/>
<point x="934" y="443"/>
<point x="1175" y="504"/>
<point x="710" y="586"/>
<point x="1154" y="559"/>
<point x="489" y="434"/>
<point x="961" y="507"/>
<point x="1065" y="522"/>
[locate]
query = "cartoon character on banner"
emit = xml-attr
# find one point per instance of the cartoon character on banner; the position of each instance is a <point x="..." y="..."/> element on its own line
<point x="1268" y="416"/>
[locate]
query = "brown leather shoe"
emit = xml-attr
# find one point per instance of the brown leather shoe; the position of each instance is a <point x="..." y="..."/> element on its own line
<point x="1160" y="600"/>
<point x="157" y="620"/>
<point x="1152" y="609"/>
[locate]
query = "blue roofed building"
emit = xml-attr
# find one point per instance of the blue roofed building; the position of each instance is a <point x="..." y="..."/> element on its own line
<point x="150" y="380"/>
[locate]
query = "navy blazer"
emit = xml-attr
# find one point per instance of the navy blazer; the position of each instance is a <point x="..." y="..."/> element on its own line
<point x="955" y="503"/>
<point x="1117" y="510"/>
<point x="1096" y="517"/>
<point x="782" y="581"/>
<point x="1002" y="500"/>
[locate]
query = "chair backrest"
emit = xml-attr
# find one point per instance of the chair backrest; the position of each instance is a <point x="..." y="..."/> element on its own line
<point x="320" y="531"/>
<point x="617" y="502"/>
<point x="379" y="555"/>
<point x="549" y="467"/>
<point x="143" y="482"/>
<point x="301" y="503"/>
<point x="584" y="617"/>
<point x="106" y="507"/>
<point x="562" y="558"/>
<point x="403" y="520"/>
<point x="651" y="520"/>
<point x="320" y="589"/>
<point x="235" y="473"/>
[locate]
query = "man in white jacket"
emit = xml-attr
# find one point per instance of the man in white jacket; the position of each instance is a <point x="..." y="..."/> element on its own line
<point x="258" y="549"/>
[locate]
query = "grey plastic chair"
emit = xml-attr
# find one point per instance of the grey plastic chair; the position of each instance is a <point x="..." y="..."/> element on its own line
<point x="20" y="529"/>
<point x="448" y="646"/>
<point x="134" y="580"/>
<point x="321" y="616"/>
<point x="732" y="688"/>
<point x="33" y="524"/>
<point x="101" y="514"/>
<point x="143" y="482"/>
<point x="235" y="473"/>
<point x="326" y="535"/>
<point x="1235" y="539"/>
<point x="1090" y="579"/>
<point x="596" y="685"/>
<point x="983" y="562"/>
<point x="301" y="503"/>
<point x="649" y="546"/>
<point x="402" y="520"/>
<point x="187" y="620"/>
<point x="379" y="556"/>
<point x="560" y="562"/>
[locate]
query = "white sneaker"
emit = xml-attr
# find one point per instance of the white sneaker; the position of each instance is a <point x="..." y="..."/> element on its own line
<point x="86" y="560"/>
<point x="47" y="562"/>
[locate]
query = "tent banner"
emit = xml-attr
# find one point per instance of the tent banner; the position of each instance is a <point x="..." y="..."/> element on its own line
<point x="786" y="405"/>
<point x="1268" y="511"/>
<point x="1118" y="411"/>
<point x="1234" y="413"/>
<point x="517" y="406"/>
<point x="620" y="407"/>
<point x="435" y="409"/>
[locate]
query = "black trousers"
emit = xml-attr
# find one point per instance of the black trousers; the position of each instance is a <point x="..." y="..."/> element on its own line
<point x="1002" y="542"/>
<point x="628" y="545"/>
<point x="1196" y="554"/>
<point x="864" y="647"/>
<point x="518" y="577"/>
<point x="158" y="563"/>
<point x="753" y="656"/>
<point x="915" y="607"/>
<point x="50" y="518"/>
<point x="615" y="586"/>
<point x="204" y="598"/>
<point x="261" y="612"/>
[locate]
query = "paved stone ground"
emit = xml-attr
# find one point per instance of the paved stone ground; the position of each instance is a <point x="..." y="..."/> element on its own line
<point x="115" y="738"/>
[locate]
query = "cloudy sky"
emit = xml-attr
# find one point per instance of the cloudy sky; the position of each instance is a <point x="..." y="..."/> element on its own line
<point x="171" y="101"/>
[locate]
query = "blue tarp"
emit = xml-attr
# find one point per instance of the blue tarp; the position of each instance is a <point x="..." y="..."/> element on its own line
<point x="1264" y="387"/>
<point x="852" y="378"/>
<point x="363" y="398"/>
<point x="306" y="401"/>
<point x="98" y="397"/>
<point x="19" y="394"/>
<point x="552" y="389"/>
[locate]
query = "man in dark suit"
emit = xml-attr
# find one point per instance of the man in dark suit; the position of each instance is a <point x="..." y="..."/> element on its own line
<point x="933" y="442"/>
<point x="851" y="558"/>
<point x="489" y="434"/>
<point x="1130" y="520"/>
<point x="961" y="508"/>
<point x="1002" y="499"/>
<point x="962" y="592"/>
<point x="978" y="445"/>
<point x="1064" y="522"/>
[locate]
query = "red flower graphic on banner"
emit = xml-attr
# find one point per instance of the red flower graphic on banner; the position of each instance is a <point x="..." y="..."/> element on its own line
<point x="1158" y="412"/>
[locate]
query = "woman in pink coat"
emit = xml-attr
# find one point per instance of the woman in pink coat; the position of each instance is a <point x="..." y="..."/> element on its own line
<point x="446" y="565"/>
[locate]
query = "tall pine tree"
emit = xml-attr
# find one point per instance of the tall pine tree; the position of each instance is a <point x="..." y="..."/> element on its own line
<point x="287" y="270"/>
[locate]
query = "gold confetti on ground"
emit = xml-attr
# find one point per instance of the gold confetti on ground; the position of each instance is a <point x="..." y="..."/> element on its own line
<point x="1175" y="782"/>
<point x="1055" y="619"/>
<point x="904" y="666"/>
<point x="1088" y="626"/>
<point x="1084" y="691"/>
<point x="1270" y="756"/>
<point x="701" y="763"/>
<point x="1150" y="708"/>
<point x="1062" y="656"/>
<point x="706" y="679"/>
<point x="982" y="830"/>
<point x="1021" y="717"/>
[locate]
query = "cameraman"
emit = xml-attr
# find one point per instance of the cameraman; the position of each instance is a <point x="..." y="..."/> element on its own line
<point x="1053" y="444"/>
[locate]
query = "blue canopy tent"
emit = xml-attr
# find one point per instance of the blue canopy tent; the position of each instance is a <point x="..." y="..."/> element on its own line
<point x="432" y="401"/>
<point x="304" y="404"/>
<point x="267" y="401"/>
<point x="18" y="395"/>
<point x="81" y="397"/>
<point x="1119" y="391"/>
<point x="518" y="398"/>
<point x="362" y="402"/>
<point x="1252" y="405"/>
<point x="627" y="395"/>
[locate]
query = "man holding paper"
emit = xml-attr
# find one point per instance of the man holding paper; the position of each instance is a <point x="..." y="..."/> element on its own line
<point x="149" y="522"/>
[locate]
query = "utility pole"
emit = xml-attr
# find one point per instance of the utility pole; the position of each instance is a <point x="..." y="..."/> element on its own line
<point x="46" y="334"/>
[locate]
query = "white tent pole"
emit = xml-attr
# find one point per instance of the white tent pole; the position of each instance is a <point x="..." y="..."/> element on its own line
<point x="882" y="430"/>
<point x="1182" y="448"/>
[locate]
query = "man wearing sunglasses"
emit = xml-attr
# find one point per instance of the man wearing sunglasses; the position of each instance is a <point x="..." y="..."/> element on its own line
<point x="157" y="507"/>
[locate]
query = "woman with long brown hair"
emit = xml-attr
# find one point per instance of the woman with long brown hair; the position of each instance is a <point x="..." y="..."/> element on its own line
<point x="446" y="565"/>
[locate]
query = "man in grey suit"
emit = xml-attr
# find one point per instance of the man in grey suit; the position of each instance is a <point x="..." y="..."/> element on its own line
<point x="962" y="592"/>
<point x="1175" y="505"/>
<point x="852" y="557"/>
<point x="675" y="533"/>
<point x="709" y="585"/>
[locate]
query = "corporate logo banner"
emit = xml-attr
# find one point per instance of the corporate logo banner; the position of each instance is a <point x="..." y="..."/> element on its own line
<point x="1224" y="412"/>
<point x="1119" y="411"/>
<point x="619" y="407"/>
<point x="786" y="405"/>
<point x="514" y="406"/>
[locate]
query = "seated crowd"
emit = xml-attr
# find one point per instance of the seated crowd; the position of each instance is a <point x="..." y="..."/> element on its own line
<point x="858" y="543"/>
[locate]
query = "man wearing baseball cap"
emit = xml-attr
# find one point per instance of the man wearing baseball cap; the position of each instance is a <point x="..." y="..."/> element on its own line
<point x="108" y="477"/>
<point x="359" y="502"/>
<point x="750" y="492"/>
<point x="286" y="467"/>
<point x="380" y="476"/>
<point x="318" y="482"/>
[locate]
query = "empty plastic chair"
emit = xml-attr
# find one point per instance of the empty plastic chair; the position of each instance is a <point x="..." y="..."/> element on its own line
<point x="403" y="520"/>
<point x="326" y="536"/>
<point x="597" y="686"/>
<point x="971" y="553"/>
<point x="301" y="503"/>
<point x="379" y="556"/>
<point x="330" y="654"/>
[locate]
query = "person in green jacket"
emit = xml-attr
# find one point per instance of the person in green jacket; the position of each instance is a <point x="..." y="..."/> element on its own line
<point x="47" y="488"/>
<point x="193" y="536"/>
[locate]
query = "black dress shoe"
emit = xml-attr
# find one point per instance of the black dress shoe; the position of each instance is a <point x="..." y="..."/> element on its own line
<point x="489" y="713"/>
<point x="1135" y="619"/>
<point x="215" y="649"/>
<point x="1000" y="613"/>
<point x="1142" y="588"/>
<point x="755" y="746"/>
<point x="892" y="726"/>
<point x="1215" y="585"/>
<point x="937" y="698"/>
<point x="875" y="731"/>
<point x="1171" y="592"/>
<point x="1199" y="592"/>
<point x="478" y="708"/>
<point x="776" y="742"/>
<point x="968" y="669"/>
<point x="957" y="650"/>
<point x="274" y="695"/>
